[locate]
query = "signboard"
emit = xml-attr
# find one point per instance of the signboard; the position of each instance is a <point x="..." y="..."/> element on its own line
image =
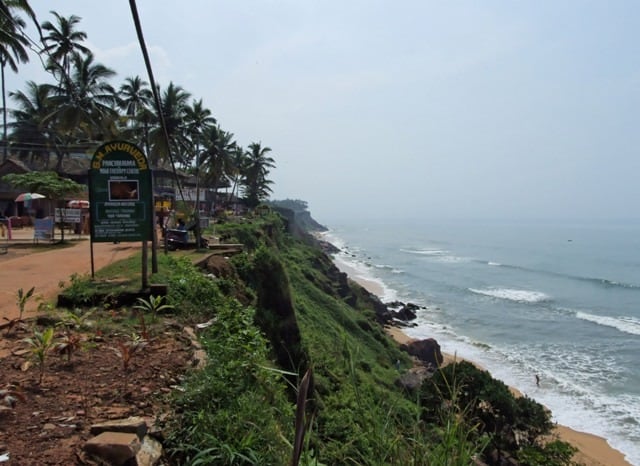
<point x="68" y="215"/>
<point x="43" y="228"/>
<point x="120" y="193"/>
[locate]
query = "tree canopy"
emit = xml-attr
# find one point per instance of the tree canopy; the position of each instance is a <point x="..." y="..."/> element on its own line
<point x="49" y="184"/>
<point x="81" y="107"/>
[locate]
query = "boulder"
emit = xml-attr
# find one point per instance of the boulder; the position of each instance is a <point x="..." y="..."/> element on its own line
<point x="150" y="452"/>
<point x="131" y="425"/>
<point x="413" y="378"/>
<point x="427" y="351"/>
<point x="407" y="312"/>
<point x="115" y="447"/>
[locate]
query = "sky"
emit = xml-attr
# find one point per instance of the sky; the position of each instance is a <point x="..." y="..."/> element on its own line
<point x="406" y="109"/>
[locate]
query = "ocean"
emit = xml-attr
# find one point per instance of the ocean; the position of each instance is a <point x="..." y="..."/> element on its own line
<point x="557" y="300"/>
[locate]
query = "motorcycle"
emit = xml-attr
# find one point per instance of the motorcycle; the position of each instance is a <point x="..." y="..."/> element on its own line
<point x="179" y="239"/>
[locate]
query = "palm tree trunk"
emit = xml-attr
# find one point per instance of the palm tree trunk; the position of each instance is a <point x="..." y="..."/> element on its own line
<point x="5" y="148"/>
<point x="197" y="209"/>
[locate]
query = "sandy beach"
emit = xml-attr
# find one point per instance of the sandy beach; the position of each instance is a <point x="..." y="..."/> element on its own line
<point x="592" y="450"/>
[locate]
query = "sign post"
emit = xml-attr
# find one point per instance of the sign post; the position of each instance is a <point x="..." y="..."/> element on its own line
<point x="121" y="197"/>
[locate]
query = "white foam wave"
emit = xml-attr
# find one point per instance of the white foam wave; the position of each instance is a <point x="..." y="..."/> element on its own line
<point x="495" y="264"/>
<point x="389" y="268"/>
<point x="521" y="296"/>
<point x="425" y="252"/>
<point x="624" y="324"/>
<point x="452" y="259"/>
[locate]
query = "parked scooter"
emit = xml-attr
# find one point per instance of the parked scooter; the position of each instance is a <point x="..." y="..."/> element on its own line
<point x="178" y="238"/>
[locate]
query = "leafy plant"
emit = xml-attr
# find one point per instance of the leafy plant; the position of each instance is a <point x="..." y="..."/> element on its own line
<point x="302" y="421"/>
<point x="41" y="343"/>
<point x="22" y="300"/>
<point x="155" y="304"/>
<point x="80" y="290"/>
<point x="75" y="320"/>
<point x="68" y="343"/>
<point x="126" y="350"/>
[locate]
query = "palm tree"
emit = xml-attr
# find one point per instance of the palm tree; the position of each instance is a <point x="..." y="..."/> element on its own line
<point x="134" y="95"/>
<point x="197" y="121"/>
<point x="256" y="185"/>
<point x="13" y="50"/>
<point x="216" y="158"/>
<point x="237" y="163"/>
<point x="174" y="101"/>
<point x="31" y="128"/>
<point x="135" y="99"/>
<point x="84" y="107"/>
<point x="62" y="43"/>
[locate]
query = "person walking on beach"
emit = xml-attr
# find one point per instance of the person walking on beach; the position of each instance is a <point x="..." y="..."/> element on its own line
<point x="537" y="380"/>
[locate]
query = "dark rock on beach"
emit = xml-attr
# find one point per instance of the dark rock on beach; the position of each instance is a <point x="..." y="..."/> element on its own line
<point x="427" y="351"/>
<point x="403" y="312"/>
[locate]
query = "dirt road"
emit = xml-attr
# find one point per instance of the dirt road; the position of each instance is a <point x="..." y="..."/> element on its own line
<point x="46" y="269"/>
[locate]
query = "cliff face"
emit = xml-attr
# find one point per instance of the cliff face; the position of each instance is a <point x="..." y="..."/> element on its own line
<point x="299" y="221"/>
<point x="275" y="311"/>
<point x="314" y="317"/>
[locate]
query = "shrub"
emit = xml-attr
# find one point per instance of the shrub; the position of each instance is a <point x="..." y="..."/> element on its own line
<point x="511" y="423"/>
<point x="234" y="411"/>
<point x="191" y="293"/>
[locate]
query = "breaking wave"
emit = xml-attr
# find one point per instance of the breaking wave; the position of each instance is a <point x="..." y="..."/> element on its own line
<point x="521" y="296"/>
<point x="624" y="324"/>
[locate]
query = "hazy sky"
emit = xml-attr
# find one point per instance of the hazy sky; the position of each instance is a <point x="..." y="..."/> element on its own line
<point x="483" y="109"/>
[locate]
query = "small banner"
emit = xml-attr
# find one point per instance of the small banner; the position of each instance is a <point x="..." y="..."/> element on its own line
<point x="120" y="194"/>
<point x="43" y="228"/>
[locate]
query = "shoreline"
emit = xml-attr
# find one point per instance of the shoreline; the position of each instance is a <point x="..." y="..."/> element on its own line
<point x="592" y="449"/>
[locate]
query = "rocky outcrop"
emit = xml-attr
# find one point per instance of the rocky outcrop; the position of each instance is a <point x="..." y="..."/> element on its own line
<point x="199" y="357"/>
<point x="115" y="447"/>
<point x="404" y="312"/>
<point x="427" y="351"/>
<point x="124" y="441"/>
<point x="275" y="314"/>
<point x="413" y="378"/>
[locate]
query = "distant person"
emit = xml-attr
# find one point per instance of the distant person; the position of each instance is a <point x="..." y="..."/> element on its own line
<point x="182" y="227"/>
<point x="162" y="216"/>
<point x="537" y="380"/>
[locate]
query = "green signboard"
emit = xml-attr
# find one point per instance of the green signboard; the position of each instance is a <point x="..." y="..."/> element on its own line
<point x="120" y="194"/>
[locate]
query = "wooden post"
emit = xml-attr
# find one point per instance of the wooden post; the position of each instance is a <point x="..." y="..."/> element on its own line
<point x="145" y="266"/>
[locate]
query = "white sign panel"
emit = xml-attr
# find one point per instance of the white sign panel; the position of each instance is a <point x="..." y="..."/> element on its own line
<point x="70" y="215"/>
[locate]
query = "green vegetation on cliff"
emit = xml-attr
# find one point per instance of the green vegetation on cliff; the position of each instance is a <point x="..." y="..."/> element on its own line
<point x="299" y="313"/>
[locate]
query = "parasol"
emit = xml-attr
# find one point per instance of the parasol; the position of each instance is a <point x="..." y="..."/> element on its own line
<point x="78" y="204"/>
<point x="29" y="197"/>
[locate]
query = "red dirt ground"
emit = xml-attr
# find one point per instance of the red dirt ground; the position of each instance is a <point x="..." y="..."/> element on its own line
<point x="50" y="421"/>
<point x="23" y="267"/>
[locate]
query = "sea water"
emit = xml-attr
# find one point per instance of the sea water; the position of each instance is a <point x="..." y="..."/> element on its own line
<point x="557" y="300"/>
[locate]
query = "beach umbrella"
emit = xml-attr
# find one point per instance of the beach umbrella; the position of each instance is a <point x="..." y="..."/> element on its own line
<point x="78" y="204"/>
<point x="25" y="197"/>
